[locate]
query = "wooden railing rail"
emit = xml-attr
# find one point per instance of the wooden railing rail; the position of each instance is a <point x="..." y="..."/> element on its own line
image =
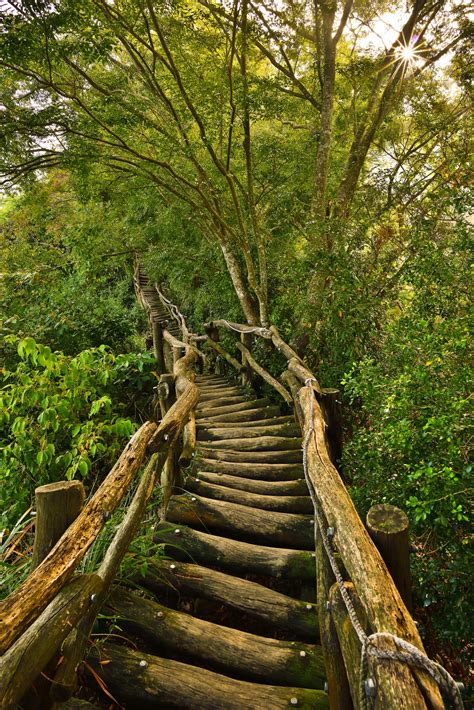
<point x="48" y="610"/>
<point x="372" y="588"/>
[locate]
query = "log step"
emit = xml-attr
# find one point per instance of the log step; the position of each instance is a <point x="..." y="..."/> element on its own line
<point x="244" y="415"/>
<point x="213" y="433"/>
<point x="140" y="680"/>
<point x="228" y="650"/>
<point x="259" y="470"/>
<point x="236" y="407"/>
<point x="297" y="487"/>
<point x="289" y="456"/>
<point x="224" y="401"/>
<point x="271" y="608"/>
<point x="275" y="503"/>
<point x="285" y="529"/>
<point x="234" y="556"/>
<point x="217" y="424"/>
<point x="260" y="443"/>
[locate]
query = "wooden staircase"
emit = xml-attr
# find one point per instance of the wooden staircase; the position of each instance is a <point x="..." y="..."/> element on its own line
<point x="157" y="310"/>
<point x="229" y="624"/>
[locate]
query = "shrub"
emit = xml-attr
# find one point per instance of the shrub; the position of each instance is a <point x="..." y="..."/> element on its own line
<point x="64" y="417"/>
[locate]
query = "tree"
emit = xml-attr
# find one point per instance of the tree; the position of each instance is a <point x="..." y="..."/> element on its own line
<point x="185" y="97"/>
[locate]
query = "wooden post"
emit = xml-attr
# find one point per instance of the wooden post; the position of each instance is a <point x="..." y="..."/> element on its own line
<point x="166" y="392"/>
<point x="337" y="682"/>
<point x="158" y="345"/>
<point x="57" y="505"/>
<point x="348" y="639"/>
<point x="388" y="527"/>
<point x="332" y="409"/>
<point x="247" y="375"/>
<point x="212" y="332"/>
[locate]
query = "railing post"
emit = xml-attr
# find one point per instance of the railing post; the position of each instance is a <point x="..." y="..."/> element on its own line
<point x="158" y="345"/>
<point x="337" y="681"/>
<point x="247" y="376"/>
<point x="57" y="506"/>
<point x="388" y="527"/>
<point x="213" y="332"/>
<point x="332" y="408"/>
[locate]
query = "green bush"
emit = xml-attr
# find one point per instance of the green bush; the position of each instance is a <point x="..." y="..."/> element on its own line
<point x="64" y="417"/>
<point x="410" y="449"/>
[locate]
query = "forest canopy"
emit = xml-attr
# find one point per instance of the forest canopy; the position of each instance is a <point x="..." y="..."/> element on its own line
<point x="303" y="164"/>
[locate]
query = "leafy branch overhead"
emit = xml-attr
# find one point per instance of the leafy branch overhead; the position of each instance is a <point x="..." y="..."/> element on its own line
<point x="192" y="99"/>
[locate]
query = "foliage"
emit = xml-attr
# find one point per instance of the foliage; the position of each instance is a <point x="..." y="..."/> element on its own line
<point x="64" y="416"/>
<point x="411" y="447"/>
<point x="55" y="282"/>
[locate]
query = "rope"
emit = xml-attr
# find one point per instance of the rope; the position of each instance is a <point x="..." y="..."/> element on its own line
<point x="249" y="330"/>
<point x="406" y="652"/>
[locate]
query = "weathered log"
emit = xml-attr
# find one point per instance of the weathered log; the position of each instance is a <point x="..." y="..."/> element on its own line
<point x="388" y="527"/>
<point x="228" y="650"/>
<point x="264" y="471"/>
<point x="240" y="328"/>
<point x="189" y="442"/>
<point x="277" y="503"/>
<point x="208" y="394"/>
<point x="274" y="421"/>
<point x="269" y="379"/>
<point x="248" y="376"/>
<point x="260" y="443"/>
<point x="250" y="598"/>
<point x="233" y="555"/>
<point x="281" y="346"/>
<point x="28" y="600"/>
<point x="224" y="354"/>
<point x="347" y="638"/>
<point x="332" y="409"/>
<point x="338" y="684"/>
<point x="175" y="419"/>
<point x="166" y="392"/>
<point x="139" y="680"/>
<point x="213" y="433"/>
<point x="239" y="407"/>
<point x="291" y="456"/>
<point x="273" y="488"/>
<point x="304" y="375"/>
<point x="73" y="649"/>
<point x="157" y="330"/>
<point x="31" y="652"/>
<point x="379" y="596"/>
<point x="225" y="401"/>
<point x="242" y="416"/>
<point x="57" y="505"/>
<point x="286" y="529"/>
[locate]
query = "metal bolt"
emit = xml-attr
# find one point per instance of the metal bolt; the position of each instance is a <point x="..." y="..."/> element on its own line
<point x="172" y="566"/>
<point x="327" y="606"/>
<point x="177" y="531"/>
<point x="326" y="686"/>
<point x="143" y="664"/>
<point x="330" y="533"/>
<point x="193" y="499"/>
<point x="293" y="701"/>
<point x="93" y="598"/>
<point x="370" y="687"/>
<point x="309" y="607"/>
<point x="166" y="437"/>
<point x="160" y="615"/>
<point x="302" y="654"/>
<point x="197" y="479"/>
<point x="311" y="522"/>
<point x="313" y="554"/>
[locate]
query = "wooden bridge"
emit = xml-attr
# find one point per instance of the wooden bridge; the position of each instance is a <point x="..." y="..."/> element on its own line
<point x="244" y="609"/>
